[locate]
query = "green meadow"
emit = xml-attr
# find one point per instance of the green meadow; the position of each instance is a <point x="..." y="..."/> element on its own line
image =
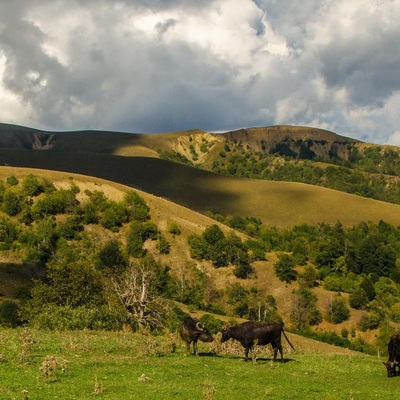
<point x="124" y="365"/>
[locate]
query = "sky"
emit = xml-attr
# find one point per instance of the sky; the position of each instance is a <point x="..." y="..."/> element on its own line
<point x="154" y="66"/>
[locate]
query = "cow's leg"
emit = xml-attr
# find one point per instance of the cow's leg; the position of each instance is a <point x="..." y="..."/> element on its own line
<point x="275" y="352"/>
<point x="195" y="348"/>
<point x="277" y="345"/>
<point x="188" y="347"/>
<point x="246" y="353"/>
<point x="280" y="351"/>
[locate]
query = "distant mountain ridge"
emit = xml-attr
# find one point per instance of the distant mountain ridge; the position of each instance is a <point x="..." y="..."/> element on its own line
<point x="291" y="139"/>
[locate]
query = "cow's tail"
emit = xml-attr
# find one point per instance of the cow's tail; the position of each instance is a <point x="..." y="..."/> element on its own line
<point x="284" y="334"/>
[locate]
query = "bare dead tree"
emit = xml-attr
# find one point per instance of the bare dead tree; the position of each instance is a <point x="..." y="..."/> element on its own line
<point x="135" y="290"/>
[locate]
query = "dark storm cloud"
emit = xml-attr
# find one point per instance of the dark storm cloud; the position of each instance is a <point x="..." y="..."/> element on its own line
<point x="163" y="65"/>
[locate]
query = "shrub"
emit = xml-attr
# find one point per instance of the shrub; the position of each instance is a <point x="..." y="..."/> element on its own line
<point x="173" y="228"/>
<point x="53" y="203"/>
<point x="214" y="325"/>
<point x="67" y="318"/>
<point x="12" y="180"/>
<point x="337" y="311"/>
<point x="8" y="231"/>
<point x="11" y="203"/>
<point x="70" y="228"/>
<point x="370" y="321"/>
<point x="163" y="245"/>
<point x="395" y="312"/>
<point x="31" y="186"/>
<point x="242" y="271"/>
<point x="111" y="257"/>
<point x="114" y="216"/>
<point x="135" y="240"/>
<point x="333" y="283"/>
<point x="9" y="314"/>
<point x="149" y="231"/>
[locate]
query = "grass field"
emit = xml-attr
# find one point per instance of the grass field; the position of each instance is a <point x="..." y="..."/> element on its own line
<point x="123" y="365"/>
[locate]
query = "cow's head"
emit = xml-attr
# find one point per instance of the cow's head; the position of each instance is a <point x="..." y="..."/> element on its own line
<point x="205" y="335"/>
<point x="225" y="335"/>
<point x="391" y="368"/>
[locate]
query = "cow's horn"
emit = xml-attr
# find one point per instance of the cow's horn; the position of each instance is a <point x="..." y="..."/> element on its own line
<point x="199" y="327"/>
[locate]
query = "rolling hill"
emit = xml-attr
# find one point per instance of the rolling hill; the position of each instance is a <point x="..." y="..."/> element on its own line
<point x="134" y="160"/>
<point x="185" y="192"/>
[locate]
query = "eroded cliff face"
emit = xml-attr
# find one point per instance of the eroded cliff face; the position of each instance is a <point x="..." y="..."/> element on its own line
<point x="197" y="147"/>
<point x="15" y="137"/>
<point x="201" y="148"/>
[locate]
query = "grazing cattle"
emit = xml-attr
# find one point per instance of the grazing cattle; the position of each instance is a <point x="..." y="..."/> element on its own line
<point x="394" y="356"/>
<point x="260" y="333"/>
<point x="192" y="330"/>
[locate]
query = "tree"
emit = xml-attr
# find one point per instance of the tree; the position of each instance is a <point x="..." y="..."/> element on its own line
<point x="309" y="276"/>
<point x="304" y="308"/>
<point x="70" y="227"/>
<point x="368" y="286"/>
<point x="238" y="297"/>
<point x="376" y="256"/>
<point x="137" y="207"/>
<point x="358" y="299"/>
<point x="213" y="234"/>
<point x="137" y="291"/>
<point x="135" y="240"/>
<point x="114" y="216"/>
<point x="329" y="250"/>
<point x="284" y="268"/>
<point x="198" y="247"/>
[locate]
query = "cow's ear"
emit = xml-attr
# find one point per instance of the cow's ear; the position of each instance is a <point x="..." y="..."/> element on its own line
<point x="384" y="363"/>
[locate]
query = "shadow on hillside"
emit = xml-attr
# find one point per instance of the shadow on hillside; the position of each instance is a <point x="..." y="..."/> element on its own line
<point x="188" y="186"/>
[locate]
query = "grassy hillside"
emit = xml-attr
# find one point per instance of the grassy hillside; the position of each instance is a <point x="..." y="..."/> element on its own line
<point x="279" y="204"/>
<point x="14" y="274"/>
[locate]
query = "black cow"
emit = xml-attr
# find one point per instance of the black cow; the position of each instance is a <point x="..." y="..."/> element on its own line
<point x="260" y="333"/>
<point x="394" y="356"/>
<point x="192" y="330"/>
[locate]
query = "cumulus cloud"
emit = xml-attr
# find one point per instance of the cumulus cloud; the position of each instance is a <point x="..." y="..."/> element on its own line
<point x="157" y="66"/>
